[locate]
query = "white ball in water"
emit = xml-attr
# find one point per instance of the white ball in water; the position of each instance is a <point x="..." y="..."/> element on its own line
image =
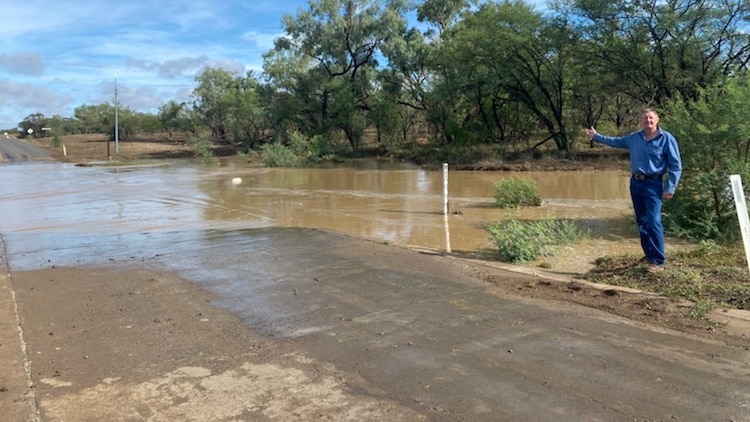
<point x="236" y="181"/>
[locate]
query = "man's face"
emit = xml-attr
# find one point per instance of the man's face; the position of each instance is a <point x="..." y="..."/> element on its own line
<point x="649" y="121"/>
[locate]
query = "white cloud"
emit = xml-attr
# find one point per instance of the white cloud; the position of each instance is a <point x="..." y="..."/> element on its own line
<point x="21" y="100"/>
<point x="22" y="64"/>
<point x="261" y="40"/>
<point x="55" y="57"/>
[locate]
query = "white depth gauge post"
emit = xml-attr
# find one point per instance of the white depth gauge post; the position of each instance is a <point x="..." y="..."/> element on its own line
<point x="445" y="209"/>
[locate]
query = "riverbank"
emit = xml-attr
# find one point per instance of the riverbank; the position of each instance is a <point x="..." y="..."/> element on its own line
<point x="83" y="149"/>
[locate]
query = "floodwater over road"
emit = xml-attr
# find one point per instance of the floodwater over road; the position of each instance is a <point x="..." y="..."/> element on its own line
<point x="327" y="326"/>
<point x="394" y="203"/>
<point x="194" y="220"/>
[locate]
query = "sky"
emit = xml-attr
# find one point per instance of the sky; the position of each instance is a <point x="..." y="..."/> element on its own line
<point x="57" y="55"/>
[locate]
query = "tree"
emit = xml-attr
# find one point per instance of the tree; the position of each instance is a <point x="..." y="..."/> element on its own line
<point x="250" y="123"/>
<point x="406" y="81"/>
<point x="661" y="49"/>
<point x="714" y="137"/>
<point x="34" y="122"/>
<point x="128" y="122"/>
<point x="327" y="60"/>
<point x="442" y="13"/>
<point x="149" y="123"/>
<point x="95" y="119"/>
<point x="174" y="117"/>
<point x="507" y="53"/>
<point x="213" y="99"/>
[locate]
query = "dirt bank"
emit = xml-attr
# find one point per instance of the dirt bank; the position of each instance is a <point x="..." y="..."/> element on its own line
<point x="83" y="149"/>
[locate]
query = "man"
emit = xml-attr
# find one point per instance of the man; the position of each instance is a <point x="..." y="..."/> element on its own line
<point x="653" y="154"/>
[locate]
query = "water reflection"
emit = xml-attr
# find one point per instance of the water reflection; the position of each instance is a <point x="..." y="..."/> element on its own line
<point x="397" y="203"/>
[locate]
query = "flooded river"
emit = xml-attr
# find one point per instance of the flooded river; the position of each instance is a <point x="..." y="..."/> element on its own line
<point x="392" y="203"/>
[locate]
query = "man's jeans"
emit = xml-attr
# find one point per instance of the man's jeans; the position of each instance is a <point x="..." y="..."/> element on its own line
<point x="647" y="203"/>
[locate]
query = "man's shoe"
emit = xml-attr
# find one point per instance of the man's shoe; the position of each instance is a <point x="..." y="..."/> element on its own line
<point x="654" y="268"/>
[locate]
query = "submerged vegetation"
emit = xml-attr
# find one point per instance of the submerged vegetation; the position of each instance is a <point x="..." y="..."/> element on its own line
<point x="517" y="192"/>
<point x="525" y="241"/>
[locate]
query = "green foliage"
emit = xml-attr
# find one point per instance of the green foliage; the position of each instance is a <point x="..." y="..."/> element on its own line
<point x="299" y="151"/>
<point x="327" y="64"/>
<point x="202" y="148"/>
<point x="714" y="137"/>
<point x="149" y="123"/>
<point x="174" y="117"/>
<point x="508" y="64"/>
<point x="95" y="119"/>
<point x="56" y="142"/>
<point x="697" y="52"/>
<point x="276" y="154"/>
<point x="128" y="126"/>
<point x="524" y="241"/>
<point x="516" y="192"/>
<point x="309" y="149"/>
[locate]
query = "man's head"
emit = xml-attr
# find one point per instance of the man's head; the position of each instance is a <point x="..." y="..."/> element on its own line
<point x="649" y="120"/>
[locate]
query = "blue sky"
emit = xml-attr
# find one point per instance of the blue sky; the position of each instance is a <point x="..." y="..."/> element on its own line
<point x="58" y="55"/>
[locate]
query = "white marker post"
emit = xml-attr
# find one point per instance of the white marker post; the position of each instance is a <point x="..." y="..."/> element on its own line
<point x="741" y="205"/>
<point x="445" y="208"/>
<point x="117" y="126"/>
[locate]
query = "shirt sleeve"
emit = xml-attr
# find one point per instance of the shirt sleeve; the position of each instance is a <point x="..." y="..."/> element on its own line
<point x="674" y="164"/>
<point x="611" y="141"/>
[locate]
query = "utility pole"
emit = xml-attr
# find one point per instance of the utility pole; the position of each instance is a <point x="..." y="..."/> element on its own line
<point x="117" y="129"/>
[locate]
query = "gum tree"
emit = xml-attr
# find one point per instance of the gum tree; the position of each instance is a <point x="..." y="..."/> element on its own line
<point x="328" y="60"/>
<point x="509" y="58"/>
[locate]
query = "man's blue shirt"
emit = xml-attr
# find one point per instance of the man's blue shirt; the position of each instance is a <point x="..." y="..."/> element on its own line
<point x="660" y="155"/>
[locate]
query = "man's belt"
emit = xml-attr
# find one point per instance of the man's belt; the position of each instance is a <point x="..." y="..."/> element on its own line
<point x="639" y="176"/>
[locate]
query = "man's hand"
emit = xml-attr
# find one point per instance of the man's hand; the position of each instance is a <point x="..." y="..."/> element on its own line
<point x="666" y="196"/>
<point x="590" y="132"/>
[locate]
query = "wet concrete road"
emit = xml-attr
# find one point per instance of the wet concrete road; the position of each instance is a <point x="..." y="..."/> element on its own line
<point x="12" y="149"/>
<point x="394" y="334"/>
<point x="133" y="305"/>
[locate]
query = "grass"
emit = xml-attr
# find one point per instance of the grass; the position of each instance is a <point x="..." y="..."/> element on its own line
<point x="708" y="275"/>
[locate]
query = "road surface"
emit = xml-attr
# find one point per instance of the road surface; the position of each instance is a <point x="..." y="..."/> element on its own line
<point x="13" y="149"/>
<point x="298" y="325"/>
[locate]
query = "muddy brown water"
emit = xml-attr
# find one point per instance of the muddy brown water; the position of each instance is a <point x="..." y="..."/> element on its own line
<point x="399" y="204"/>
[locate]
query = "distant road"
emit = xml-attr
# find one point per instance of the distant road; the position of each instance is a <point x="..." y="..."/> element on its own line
<point x="17" y="150"/>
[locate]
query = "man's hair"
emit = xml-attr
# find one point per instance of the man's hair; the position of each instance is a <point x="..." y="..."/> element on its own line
<point x="649" y="110"/>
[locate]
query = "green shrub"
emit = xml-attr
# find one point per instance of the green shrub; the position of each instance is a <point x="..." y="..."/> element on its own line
<point x="516" y="192"/>
<point x="524" y="241"/>
<point x="276" y="154"/>
<point x="202" y="148"/>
